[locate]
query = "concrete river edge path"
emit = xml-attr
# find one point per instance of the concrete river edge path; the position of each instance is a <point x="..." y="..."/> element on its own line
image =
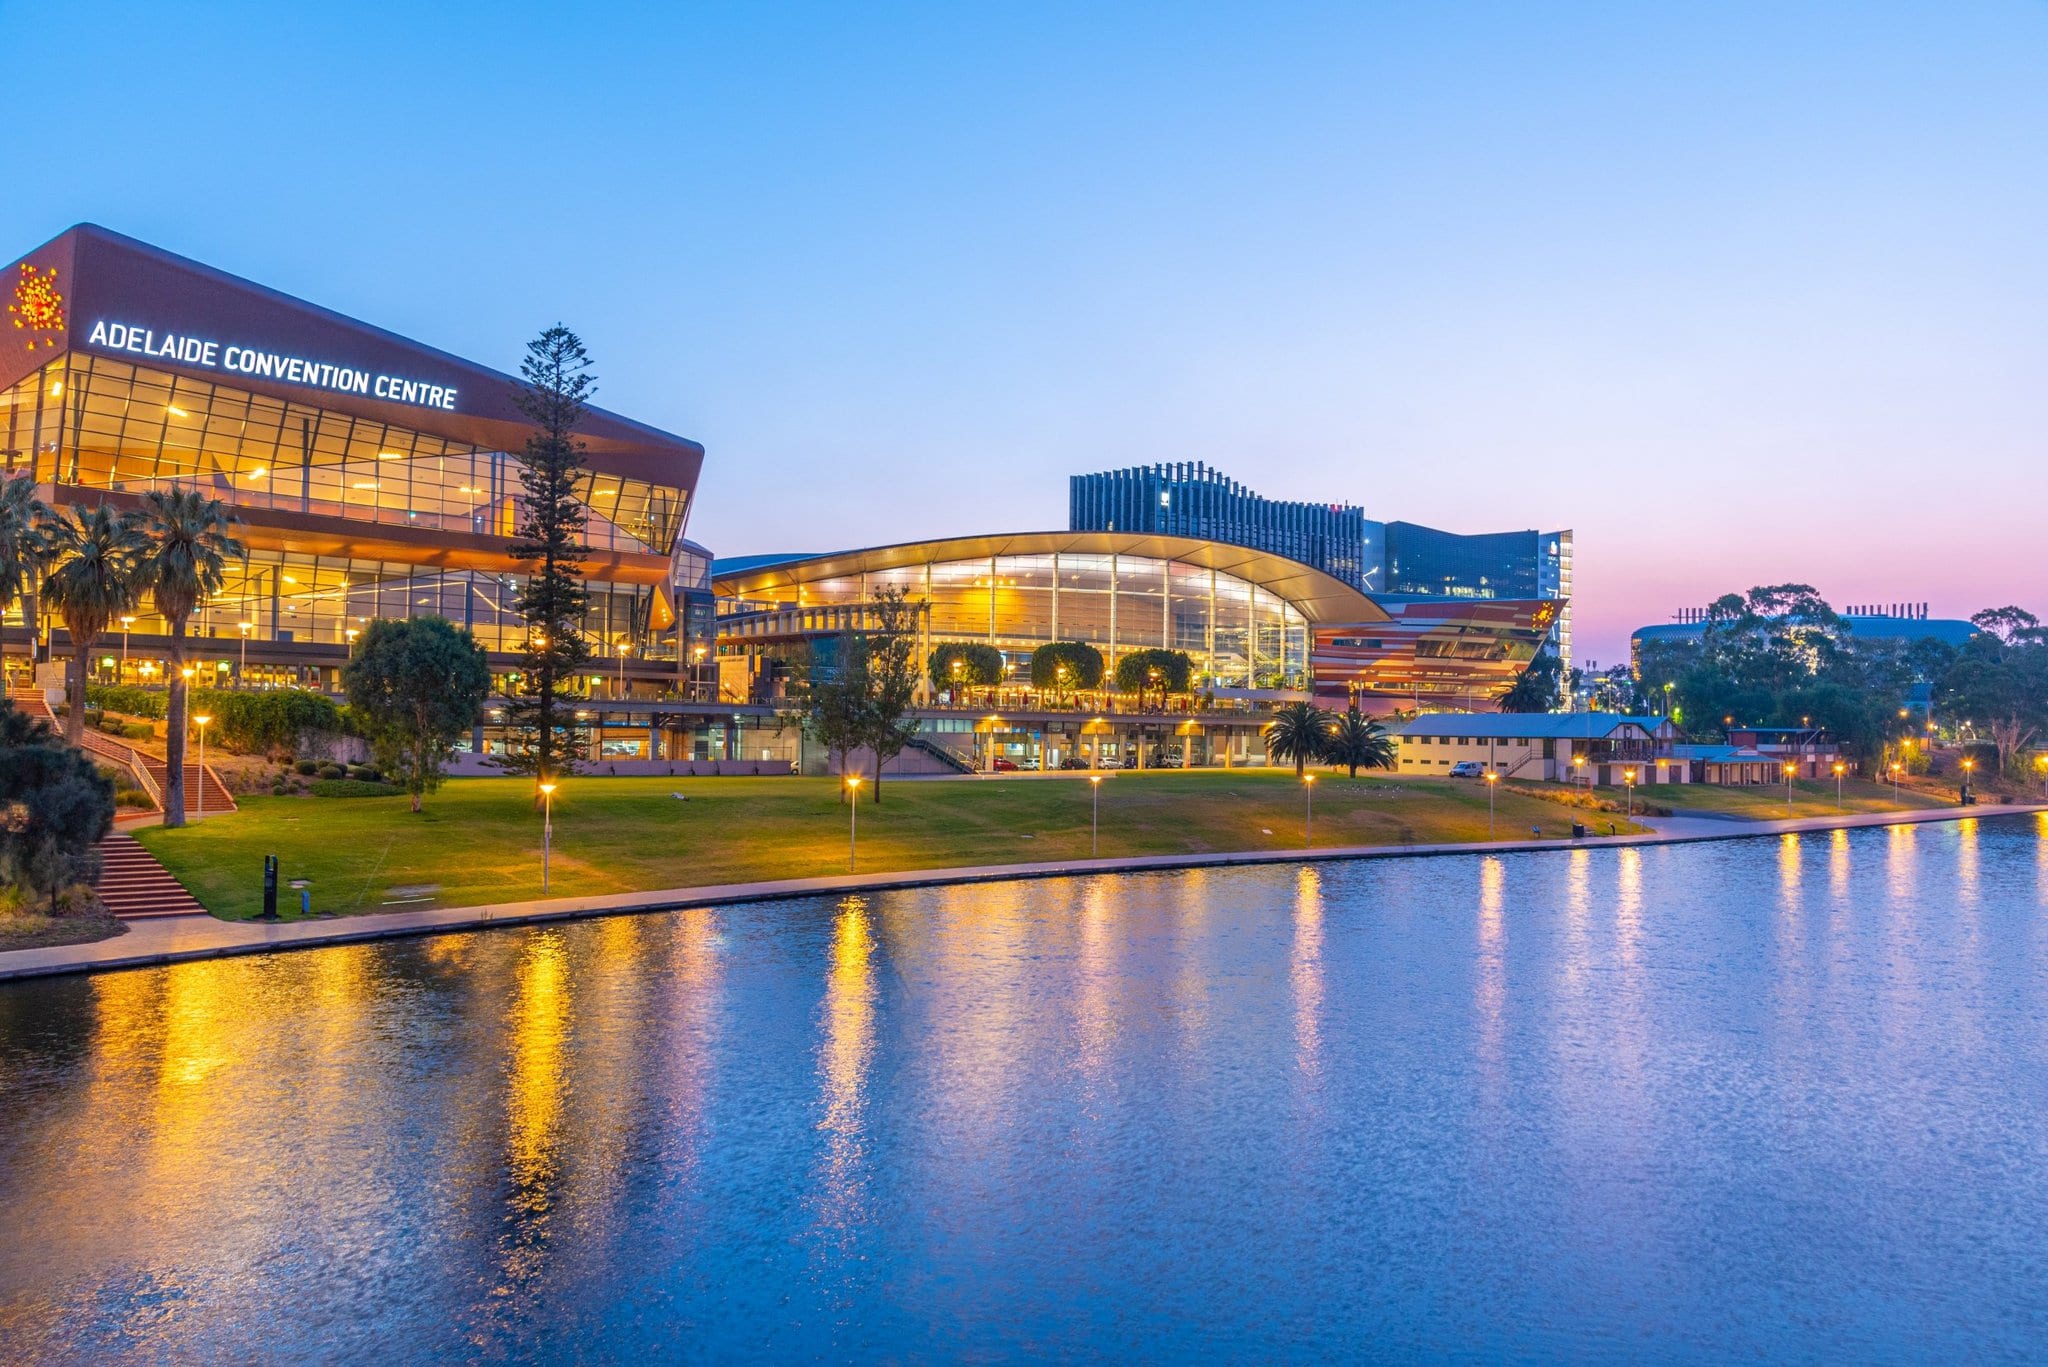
<point x="178" y="939"/>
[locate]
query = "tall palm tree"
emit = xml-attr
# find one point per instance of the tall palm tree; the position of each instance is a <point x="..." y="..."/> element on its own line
<point x="95" y="552"/>
<point x="1358" y="741"/>
<point x="188" y="542"/>
<point x="1299" y="731"/>
<point x="24" y="544"/>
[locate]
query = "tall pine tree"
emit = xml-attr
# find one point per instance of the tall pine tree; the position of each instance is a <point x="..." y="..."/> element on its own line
<point x="541" y="715"/>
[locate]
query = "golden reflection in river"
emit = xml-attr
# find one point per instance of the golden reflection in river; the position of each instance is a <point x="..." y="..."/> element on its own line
<point x="1628" y="907"/>
<point x="538" y="1026"/>
<point x="1490" y="1007"/>
<point x="1968" y="857"/>
<point x="1095" y="972"/>
<point x="848" y="1018"/>
<point x="1902" y="851"/>
<point x="1305" y="972"/>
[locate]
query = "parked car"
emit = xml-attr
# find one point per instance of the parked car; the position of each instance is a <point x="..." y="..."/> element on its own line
<point x="1073" y="762"/>
<point x="1004" y="766"/>
<point x="1027" y="763"/>
<point x="1467" y="768"/>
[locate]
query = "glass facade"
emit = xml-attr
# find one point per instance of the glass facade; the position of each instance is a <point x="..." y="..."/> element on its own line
<point x="1238" y="634"/>
<point x="91" y="423"/>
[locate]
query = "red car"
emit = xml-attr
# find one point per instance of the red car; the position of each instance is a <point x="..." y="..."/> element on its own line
<point x="1004" y="766"/>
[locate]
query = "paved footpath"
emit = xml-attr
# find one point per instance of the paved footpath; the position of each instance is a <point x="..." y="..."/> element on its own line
<point x="174" y="939"/>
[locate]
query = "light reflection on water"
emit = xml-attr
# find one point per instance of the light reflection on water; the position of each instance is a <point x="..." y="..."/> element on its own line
<point x="1778" y="1098"/>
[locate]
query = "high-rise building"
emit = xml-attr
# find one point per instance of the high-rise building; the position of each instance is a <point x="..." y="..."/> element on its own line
<point x="1381" y="558"/>
<point x="1190" y="499"/>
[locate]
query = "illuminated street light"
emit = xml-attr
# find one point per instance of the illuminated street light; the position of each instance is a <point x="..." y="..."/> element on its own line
<point x="127" y="624"/>
<point x="852" y="820"/>
<point x="1492" y="787"/>
<point x="1308" y="785"/>
<point x="1790" y="769"/>
<point x="1095" y="816"/>
<point x="1840" y="769"/>
<point x="200" y="721"/>
<point x="241" y="668"/>
<point x="547" y="832"/>
<point x="1896" y="768"/>
<point x="1628" y="777"/>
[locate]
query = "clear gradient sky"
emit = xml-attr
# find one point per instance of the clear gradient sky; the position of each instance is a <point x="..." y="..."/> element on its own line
<point x="1742" y="292"/>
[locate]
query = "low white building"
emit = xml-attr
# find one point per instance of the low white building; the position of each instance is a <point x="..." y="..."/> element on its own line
<point x="1557" y="747"/>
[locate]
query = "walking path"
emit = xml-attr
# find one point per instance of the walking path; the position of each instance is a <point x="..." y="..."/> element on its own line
<point x="173" y="939"/>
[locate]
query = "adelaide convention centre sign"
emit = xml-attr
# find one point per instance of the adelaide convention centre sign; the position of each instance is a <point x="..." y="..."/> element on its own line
<point x="268" y="365"/>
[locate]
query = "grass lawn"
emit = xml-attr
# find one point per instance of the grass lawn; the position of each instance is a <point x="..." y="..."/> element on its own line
<point x="478" y="840"/>
<point x="1768" y="804"/>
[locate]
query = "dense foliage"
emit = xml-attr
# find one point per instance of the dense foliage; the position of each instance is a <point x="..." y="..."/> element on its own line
<point x="55" y="808"/>
<point x="981" y="666"/>
<point x="127" y="699"/>
<point x="415" y="685"/>
<point x="1539" y="687"/>
<point x="857" y="693"/>
<point x="1082" y="662"/>
<point x="1780" y="656"/>
<point x="1150" y="673"/>
<point x="187" y="543"/>
<point x="1299" y="731"/>
<point x="1357" y="741"/>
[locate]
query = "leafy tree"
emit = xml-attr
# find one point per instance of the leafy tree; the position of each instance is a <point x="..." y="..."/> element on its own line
<point x="981" y="666"/>
<point x="1081" y="663"/>
<point x="1145" y="672"/>
<point x="55" y="808"/>
<point x="24" y="542"/>
<point x="888" y="676"/>
<point x="96" y="551"/>
<point x="1539" y="687"/>
<point x="1300" y="731"/>
<point x="2006" y="623"/>
<point x="416" y="684"/>
<point x="1358" y="741"/>
<point x="269" y="721"/>
<point x="833" y="704"/>
<point x="2002" y="687"/>
<point x="557" y="389"/>
<point x="188" y="540"/>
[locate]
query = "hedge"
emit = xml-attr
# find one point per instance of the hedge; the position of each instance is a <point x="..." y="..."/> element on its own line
<point x="980" y="665"/>
<point x="136" y="702"/>
<point x="1083" y="662"/>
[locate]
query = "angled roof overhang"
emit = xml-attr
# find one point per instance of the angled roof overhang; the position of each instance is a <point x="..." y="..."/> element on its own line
<point x="94" y="291"/>
<point x="1317" y="596"/>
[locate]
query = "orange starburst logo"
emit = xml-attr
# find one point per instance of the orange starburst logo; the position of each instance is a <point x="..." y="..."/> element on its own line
<point x="38" y="309"/>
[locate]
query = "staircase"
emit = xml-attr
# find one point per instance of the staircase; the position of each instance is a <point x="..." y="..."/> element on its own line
<point x="30" y="701"/>
<point x="941" y="754"/>
<point x="135" y="886"/>
<point x="154" y="773"/>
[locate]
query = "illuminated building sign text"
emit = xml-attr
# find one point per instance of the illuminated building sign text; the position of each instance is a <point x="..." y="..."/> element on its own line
<point x="269" y="365"/>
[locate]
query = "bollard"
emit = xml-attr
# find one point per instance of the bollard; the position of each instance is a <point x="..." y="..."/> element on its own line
<point x="305" y="901"/>
<point x="270" y="887"/>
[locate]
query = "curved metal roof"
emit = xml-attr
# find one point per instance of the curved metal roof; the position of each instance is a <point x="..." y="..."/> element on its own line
<point x="1319" y="597"/>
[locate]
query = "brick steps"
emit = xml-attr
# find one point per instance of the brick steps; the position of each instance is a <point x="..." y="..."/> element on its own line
<point x="135" y="886"/>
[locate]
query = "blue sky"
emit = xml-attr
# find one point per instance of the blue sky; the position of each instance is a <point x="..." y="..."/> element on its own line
<point x="1743" y="293"/>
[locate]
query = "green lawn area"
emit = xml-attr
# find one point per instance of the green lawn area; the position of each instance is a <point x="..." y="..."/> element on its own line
<point x="478" y="840"/>
<point x="1768" y="804"/>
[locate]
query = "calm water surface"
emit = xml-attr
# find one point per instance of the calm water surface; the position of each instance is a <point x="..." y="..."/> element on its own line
<point x="1751" y="1099"/>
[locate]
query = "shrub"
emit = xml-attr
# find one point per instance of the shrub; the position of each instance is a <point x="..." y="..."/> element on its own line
<point x="269" y="722"/>
<point x="136" y="702"/>
<point x="132" y="797"/>
<point x="137" y="730"/>
<point x="351" y="787"/>
<point x="369" y="773"/>
<point x="332" y="771"/>
<point x="308" y="767"/>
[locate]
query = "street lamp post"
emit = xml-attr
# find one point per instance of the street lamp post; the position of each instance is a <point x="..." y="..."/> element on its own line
<point x="1839" y="769"/>
<point x="1095" y="816"/>
<point x="1492" y="787"/>
<point x="1896" y="767"/>
<point x="1968" y="765"/>
<point x="1308" y="784"/>
<point x="127" y="623"/>
<point x="852" y="820"/>
<point x="242" y="666"/>
<point x="1628" y="778"/>
<point x="547" y="833"/>
<point x="200" y="721"/>
<point x="1579" y="770"/>
<point x="957" y="666"/>
<point x="1790" y="769"/>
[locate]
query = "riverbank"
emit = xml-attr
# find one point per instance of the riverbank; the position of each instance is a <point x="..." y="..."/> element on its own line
<point x="187" y="938"/>
<point x="478" y="841"/>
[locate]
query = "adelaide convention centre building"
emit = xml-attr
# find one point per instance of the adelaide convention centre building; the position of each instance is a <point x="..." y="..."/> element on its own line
<point x="374" y="476"/>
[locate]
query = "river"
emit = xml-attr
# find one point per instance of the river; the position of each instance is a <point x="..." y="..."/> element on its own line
<point x="1771" y="1097"/>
